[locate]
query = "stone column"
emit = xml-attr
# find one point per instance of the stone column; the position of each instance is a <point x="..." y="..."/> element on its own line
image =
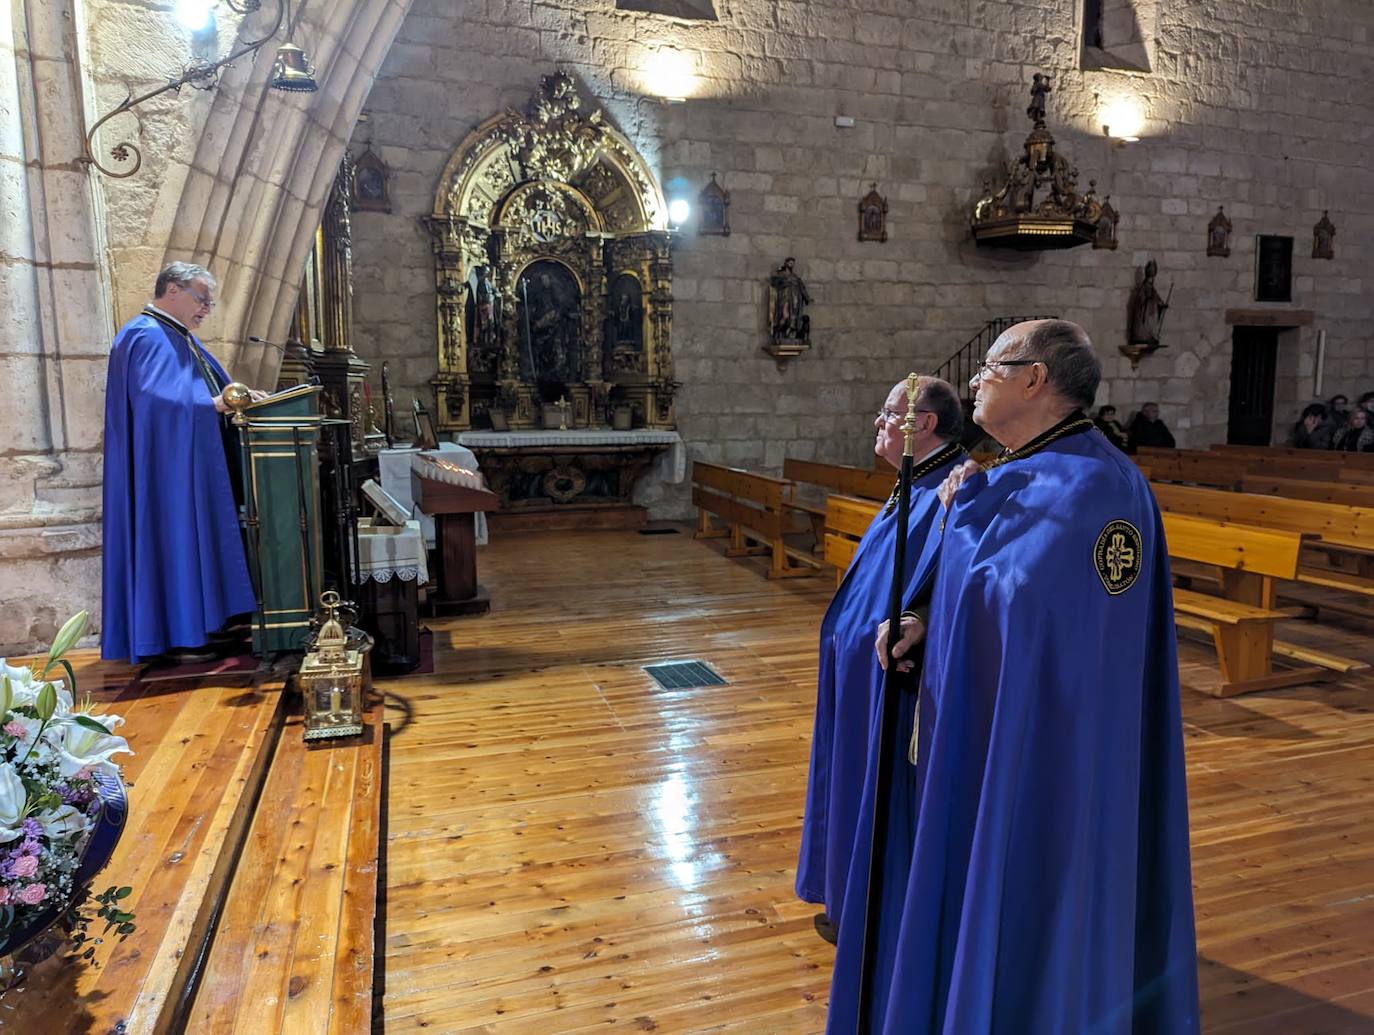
<point x="54" y="331"/>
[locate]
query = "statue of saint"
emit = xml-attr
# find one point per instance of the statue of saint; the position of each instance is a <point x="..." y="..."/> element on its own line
<point x="1147" y="309"/>
<point x="787" y="302"/>
<point x="1040" y="86"/>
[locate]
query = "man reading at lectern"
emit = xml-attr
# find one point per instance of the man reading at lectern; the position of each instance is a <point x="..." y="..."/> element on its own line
<point x="850" y="679"/>
<point x="174" y="568"/>
<point x="1046" y="887"/>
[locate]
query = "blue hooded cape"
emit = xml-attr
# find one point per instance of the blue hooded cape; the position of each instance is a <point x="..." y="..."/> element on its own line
<point x="850" y="681"/>
<point x="173" y="567"/>
<point x="1045" y="884"/>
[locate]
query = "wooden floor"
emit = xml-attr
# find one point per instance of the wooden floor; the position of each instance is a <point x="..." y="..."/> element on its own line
<point x="571" y="849"/>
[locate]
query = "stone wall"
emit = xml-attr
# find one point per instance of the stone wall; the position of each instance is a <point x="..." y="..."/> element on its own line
<point x="1259" y="108"/>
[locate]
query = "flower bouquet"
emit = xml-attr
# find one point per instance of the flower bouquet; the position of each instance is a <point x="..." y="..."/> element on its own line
<point x="62" y="806"/>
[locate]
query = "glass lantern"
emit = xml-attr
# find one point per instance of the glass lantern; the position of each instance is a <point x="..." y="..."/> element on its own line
<point x="331" y="680"/>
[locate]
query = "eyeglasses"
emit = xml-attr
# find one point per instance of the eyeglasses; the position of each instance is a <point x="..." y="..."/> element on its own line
<point x="208" y="303"/>
<point x="985" y="367"/>
<point x="888" y="417"/>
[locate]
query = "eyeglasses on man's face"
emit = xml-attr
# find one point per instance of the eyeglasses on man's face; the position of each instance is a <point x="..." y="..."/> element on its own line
<point x="888" y="417"/>
<point x="205" y="300"/>
<point x="986" y="367"/>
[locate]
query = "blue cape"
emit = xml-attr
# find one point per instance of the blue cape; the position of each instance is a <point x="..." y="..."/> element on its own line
<point x="173" y="567"/>
<point x="1045" y="885"/>
<point x="850" y="681"/>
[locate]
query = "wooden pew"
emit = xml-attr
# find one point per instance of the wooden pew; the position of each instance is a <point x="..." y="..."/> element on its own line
<point x="1343" y="534"/>
<point x="834" y="478"/>
<point x="1241" y="622"/>
<point x="1348" y="493"/>
<point x="1196" y="467"/>
<point x="1363" y="461"/>
<point x="751" y="505"/>
<point x="846" y="521"/>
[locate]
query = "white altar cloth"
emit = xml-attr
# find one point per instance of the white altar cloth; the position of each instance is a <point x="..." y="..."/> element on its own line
<point x="672" y="466"/>
<point x="386" y="552"/>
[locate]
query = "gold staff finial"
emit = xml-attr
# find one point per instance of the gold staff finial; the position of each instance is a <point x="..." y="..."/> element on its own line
<point x="909" y="425"/>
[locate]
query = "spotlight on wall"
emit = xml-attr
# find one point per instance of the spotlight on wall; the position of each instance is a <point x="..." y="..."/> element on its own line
<point x="670" y="74"/>
<point x="1123" y="120"/>
<point x="195" y="15"/>
<point x="678" y="212"/>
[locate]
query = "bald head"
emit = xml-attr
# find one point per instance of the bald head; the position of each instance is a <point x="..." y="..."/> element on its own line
<point x="1070" y="362"/>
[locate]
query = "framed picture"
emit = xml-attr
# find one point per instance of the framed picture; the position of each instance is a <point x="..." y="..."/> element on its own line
<point x="873" y="216"/>
<point x="425" y="436"/>
<point x="1273" y="268"/>
<point x="387" y="505"/>
<point x="714" y="210"/>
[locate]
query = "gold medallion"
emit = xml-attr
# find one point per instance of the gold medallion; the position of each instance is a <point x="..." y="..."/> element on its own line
<point x="1118" y="556"/>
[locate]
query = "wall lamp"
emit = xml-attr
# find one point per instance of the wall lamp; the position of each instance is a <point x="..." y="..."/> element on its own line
<point x="291" y="72"/>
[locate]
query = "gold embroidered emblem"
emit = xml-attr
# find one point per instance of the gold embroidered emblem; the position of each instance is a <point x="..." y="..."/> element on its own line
<point x="1119" y="556"/>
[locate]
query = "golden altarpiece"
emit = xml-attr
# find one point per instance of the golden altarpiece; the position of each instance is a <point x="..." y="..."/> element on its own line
<point x="553" y="275"/>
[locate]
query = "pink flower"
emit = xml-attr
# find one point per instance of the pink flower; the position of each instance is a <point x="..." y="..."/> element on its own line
<point x="26" y="866"/>
<point x="15" y="729"/>
<point x="32" y="894"/>
<point x="4" y="896"/>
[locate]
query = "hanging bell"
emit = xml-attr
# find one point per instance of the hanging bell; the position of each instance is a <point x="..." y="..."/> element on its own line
<point x="291" y="71"/>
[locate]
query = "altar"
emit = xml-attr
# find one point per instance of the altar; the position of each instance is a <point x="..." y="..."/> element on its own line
<point x="573" y="478"/>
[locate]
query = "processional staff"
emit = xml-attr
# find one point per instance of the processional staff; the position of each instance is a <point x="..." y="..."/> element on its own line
<point x="887" y="724"/>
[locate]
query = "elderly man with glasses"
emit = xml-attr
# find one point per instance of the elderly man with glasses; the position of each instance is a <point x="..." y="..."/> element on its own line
<point x="1045" y="885"/>
<point x="850" y="679"/>
<point x="174" y="570"/>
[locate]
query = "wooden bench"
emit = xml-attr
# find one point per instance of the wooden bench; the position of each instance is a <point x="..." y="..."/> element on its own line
<point x="1348" y="493"/>
<point x="1191" y="466"/>
<point x="752" y="506"/>
<point x="833" y="478"/>
<point x="1241" y="622"/>
<point x="1363" y="461"/>
<point x="846" y="521"/>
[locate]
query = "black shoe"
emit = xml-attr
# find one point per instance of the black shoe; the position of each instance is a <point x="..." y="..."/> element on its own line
<point x="189" y="655"/>
<point x="826" y="928"/>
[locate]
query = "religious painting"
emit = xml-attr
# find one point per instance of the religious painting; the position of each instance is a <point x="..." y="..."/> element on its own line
<point x="714" y="210"/>
<point x="425" y="436"/>
<point x="1104" y="236"/>
<point x="550" y="325"/>
<point x="625" y="324"/>
<point x="482" y="316"/>
<point x="1273" y="268"/>
<point x="1219" y="234"/>
<point x="1322" y="235"/>
<point x="873" y="216"/>
<point x="371" y="187"/>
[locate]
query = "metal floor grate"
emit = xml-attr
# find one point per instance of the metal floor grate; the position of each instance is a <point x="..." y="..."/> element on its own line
<point x="684" y="675"/>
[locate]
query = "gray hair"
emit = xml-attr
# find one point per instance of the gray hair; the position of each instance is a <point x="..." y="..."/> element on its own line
<point x="1071" y="364"/>
<point x="181" y="274"/>
<point x="940" y="399"/>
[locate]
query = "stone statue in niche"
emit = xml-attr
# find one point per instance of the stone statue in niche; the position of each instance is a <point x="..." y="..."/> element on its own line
<point x="787" y="302"/>
<point x="483" y="319"/>
<point x="1147" y="310"/>
<point x="551" y="323"/>
<point x="1322" y="235"/>
<point x="1219" y="234"/>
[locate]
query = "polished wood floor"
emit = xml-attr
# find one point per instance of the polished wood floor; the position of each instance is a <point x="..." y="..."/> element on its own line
<point x="571" y="849"/>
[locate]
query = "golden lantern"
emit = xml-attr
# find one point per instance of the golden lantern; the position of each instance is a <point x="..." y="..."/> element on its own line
<point x="331" y="680"/>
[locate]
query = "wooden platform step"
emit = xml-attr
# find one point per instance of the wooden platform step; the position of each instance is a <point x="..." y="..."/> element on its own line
<point x="201" y="752"/>
<point x="294" y="947"/>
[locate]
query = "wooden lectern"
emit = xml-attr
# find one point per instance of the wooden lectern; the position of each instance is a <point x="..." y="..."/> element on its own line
<point x="452" y="506"/>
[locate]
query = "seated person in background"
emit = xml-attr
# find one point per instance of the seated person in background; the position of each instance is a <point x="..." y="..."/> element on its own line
<point x="1111" y="427"/>
<point x="1312" y="430"/>
<point x="1366" y="403"/>
<point x="1338" y="408"/>
<point x="1357" y="436"/>
<point x="1148" y="430"/>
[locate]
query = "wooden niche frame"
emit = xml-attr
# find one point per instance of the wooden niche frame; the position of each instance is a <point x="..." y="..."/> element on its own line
<point x="873" y="216"/>
<point x="713" y="212"/>
<point x="370" y="188"/>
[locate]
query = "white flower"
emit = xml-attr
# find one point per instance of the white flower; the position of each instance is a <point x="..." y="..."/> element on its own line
<point x="81" y="748"/>
<point x="67" y="821"/>
<point x="12" y="799"/>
